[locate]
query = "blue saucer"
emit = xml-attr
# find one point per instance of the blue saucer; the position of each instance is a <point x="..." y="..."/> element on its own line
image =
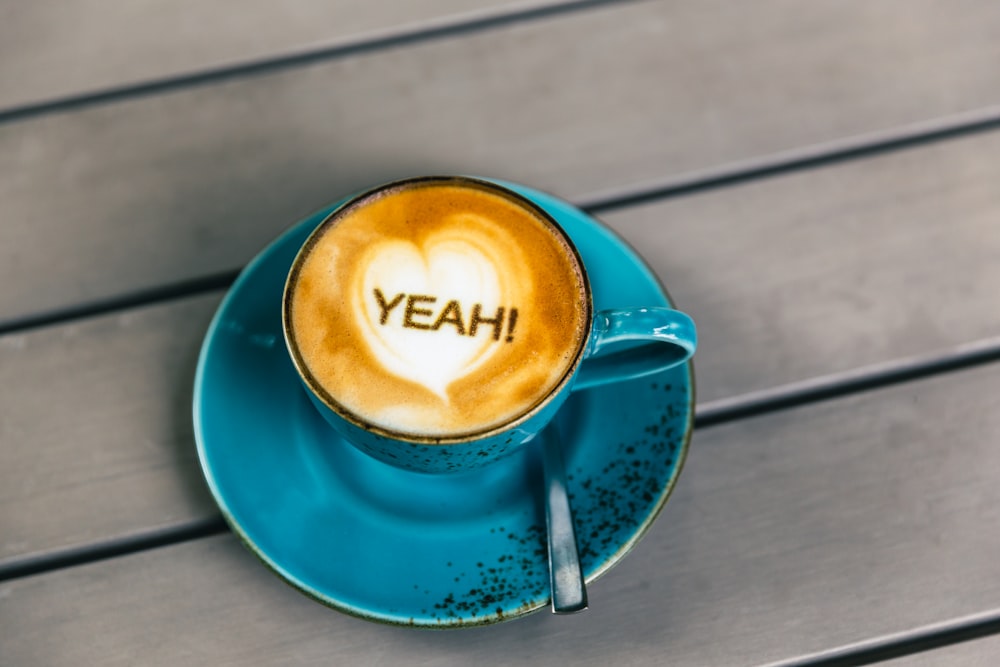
<point x="427" y="550"/>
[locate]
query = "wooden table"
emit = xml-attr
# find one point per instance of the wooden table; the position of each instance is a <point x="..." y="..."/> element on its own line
<point x="818" y="183"/>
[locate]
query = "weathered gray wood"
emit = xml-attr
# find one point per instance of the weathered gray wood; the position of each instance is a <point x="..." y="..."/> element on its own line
<point x="131" y="195"/>
<point x="788" y="278"/>
<point x="95" y="428"/>
<point x="788" y="534"/>
<point x="57" y="48"/>
<point x="826" y="270"/>
<point x="979" y="653"/>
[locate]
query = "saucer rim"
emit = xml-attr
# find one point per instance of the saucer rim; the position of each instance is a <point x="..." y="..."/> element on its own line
<point x="326" y="600"/>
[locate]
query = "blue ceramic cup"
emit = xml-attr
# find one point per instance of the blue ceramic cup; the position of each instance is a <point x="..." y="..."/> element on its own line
<point x="438" y="377"/>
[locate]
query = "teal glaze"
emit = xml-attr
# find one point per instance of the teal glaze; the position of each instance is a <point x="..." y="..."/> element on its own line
<point x="407" y="548"/>
<point x="621" y="344"/>
<point x="440" y="458"/>
<point x="665" y="337"/>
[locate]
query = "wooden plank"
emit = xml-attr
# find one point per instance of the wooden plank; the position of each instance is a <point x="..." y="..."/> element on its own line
<point x="122" y="197"/>
<point x="826" y="270"/>
<point x="789" y="278"/>
<point x="50" y="50"/>
<point x="978" y="653"/>
<point x="96" y="435"/>
<point x="790" y="533"/>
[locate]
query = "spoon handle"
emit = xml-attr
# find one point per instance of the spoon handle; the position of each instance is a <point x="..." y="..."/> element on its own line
<point x="569" y="591"/>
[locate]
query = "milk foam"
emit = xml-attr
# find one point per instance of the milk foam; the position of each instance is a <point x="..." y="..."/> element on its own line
<point x="437" y="310"/>
<point x="450" y="266"/>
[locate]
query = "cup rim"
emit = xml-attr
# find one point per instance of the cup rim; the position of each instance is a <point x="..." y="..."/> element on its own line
<point x="353" y="201"/>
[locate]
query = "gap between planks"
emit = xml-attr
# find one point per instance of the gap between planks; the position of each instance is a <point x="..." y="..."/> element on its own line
<point x="796" y="394"/>
<point x="906" y="137"/>
<point x="388" y="39"/>
<point x="917" y="640"/>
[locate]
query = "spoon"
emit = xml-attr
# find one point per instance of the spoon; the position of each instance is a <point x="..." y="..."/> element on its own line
<point x="569" y="591"/>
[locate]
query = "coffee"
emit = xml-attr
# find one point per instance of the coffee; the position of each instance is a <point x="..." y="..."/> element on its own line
<point x="437" y="308"/>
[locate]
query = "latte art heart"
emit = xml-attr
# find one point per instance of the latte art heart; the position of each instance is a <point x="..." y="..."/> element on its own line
<point x="431" y="313"/>
<point x="437" y="309"/>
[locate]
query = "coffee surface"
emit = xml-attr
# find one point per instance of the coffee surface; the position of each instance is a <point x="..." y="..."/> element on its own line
<point x="436" y="308"/>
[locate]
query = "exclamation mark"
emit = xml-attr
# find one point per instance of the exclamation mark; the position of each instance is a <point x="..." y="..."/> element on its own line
<point x="511" y="323"/>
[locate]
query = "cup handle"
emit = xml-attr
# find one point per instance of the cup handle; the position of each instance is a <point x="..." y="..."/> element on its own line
<point x="670" y="338"/>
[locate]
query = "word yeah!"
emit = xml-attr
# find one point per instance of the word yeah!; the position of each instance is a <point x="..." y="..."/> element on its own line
<point x="417" y="317"/>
